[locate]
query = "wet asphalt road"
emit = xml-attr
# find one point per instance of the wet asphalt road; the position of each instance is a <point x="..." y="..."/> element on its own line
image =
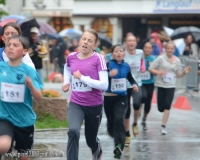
<point x="181" y="143"/>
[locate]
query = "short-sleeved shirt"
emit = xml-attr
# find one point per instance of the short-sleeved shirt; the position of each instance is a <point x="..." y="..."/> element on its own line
<point x="149" y="77"/>
<point x="134" y="60"/>
<point x="16" y="97"/>
<point x="88" y="67"/>
<point x="173" y="69"/>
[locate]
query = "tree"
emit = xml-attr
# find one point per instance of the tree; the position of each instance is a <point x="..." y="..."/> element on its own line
<point x="2" y="5"/>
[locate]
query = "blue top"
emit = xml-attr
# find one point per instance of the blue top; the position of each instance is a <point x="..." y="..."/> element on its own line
<point x="147" y="60"/>
<point x="16" y="97"/>
<point x="156" y="50"/>
<point x="124" y="71"/>
<point x="1" y="54"/>
<point x="109" y="57"/>
<point x="176" y="52"/>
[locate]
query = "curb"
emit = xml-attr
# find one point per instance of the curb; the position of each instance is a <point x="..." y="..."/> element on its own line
<point x="51" y="129"/>
<point x="55" y="129"/>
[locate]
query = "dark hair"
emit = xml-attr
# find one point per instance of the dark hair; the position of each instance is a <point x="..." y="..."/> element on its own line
<point x="117" y="45"/>
<point x="191" y="36"/>
<point x="92" y="31"/>
<point x="149" y="44"/>
<point x="23" y="40"/>
<point x="14" y="25"/>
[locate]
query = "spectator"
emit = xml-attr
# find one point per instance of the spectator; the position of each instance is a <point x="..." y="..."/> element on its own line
<point x="139" y="43"/>
<point x="36" y="47"/>
<point x="156" y="51"/>
<point x="188" y="43"/>
<point x="53" y="52"/>
<point x="74" y="46"/>
<point x="60" y="55"/>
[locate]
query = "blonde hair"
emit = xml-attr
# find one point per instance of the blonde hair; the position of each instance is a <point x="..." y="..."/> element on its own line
<point x="168" y="43"/>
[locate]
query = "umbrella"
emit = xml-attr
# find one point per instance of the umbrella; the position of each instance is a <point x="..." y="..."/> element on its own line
<point x="19" y="19"/>
<point x="180" y="45"/>
<point x="3" y="22"/>
<point x="45" y="28"/>
<point x="13" y="17"/>
<point x="169" y="31"/>
<point x="52" y="36"/>
<point x="71" y="33"/>
<point x="182" y="32"/>
<point x="26" y="27"/>
<point x="104" y="41"/>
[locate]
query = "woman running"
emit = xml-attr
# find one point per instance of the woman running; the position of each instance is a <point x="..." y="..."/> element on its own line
<point x="134" y="57"/>
<point x="86" y="72"/>
<point x="147" y="82"/>
<point x="167" y="68"/>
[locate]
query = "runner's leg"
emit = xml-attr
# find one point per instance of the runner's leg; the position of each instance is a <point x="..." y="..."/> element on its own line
<point x="168" y="101"/>
<point x="6" y="135"/>
<point x="93" y="116"/>
<point x="119" y="113"/>
<point x="109" y="102"/>
<point x="24" y="140"/>
<point x="128" y="113"/>
<point x="161" y="99"/>
<point x="75" y="116"/>
<point x="127" y="117"/>
<point x="147" y="106"/>
<point x="137" y="96"/>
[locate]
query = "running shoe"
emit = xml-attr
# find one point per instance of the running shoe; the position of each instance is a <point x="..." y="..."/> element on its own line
<point x="118" y="151"/>
<point x="98" y="154"/>
<point x="144" y="125"/>
<point x="127" y="141"/>
<point x="135" y="130"/>
<point x="163" y="131"/>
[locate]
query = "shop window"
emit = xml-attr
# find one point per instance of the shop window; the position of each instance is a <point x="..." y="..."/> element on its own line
<point x="82" y="28"/>
<point x="102" y="25"/>
<point x="60" y="23"/>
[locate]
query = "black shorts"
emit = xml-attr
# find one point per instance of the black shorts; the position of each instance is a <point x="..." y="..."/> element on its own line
<point x="23" y="136"/>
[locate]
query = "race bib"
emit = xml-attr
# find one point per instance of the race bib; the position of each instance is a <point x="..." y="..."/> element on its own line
<point x="168" y="78"/>
<point x="12" y="92"/>
<point x="135" y="67"/>
<point x="79" y="86"/>
<point x="145" y="76"/>
<point x="118" y="84"/>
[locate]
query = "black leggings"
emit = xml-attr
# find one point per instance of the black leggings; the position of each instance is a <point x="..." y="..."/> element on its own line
<point x="147" y="94"/>
<point x="115" y="108"/>
<point x="137" y="96"/>
<point x="165" y="97"/>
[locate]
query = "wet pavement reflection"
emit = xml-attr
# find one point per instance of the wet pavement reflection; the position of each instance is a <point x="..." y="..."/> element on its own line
<point x="181" y="143"/>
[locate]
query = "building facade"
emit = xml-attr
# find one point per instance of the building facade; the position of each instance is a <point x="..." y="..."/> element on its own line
<point x="112" y="17"/>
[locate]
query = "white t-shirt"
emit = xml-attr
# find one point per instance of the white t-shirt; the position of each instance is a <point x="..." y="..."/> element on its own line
<point x="135" y="63"/>
<point x="26" y="59"/>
